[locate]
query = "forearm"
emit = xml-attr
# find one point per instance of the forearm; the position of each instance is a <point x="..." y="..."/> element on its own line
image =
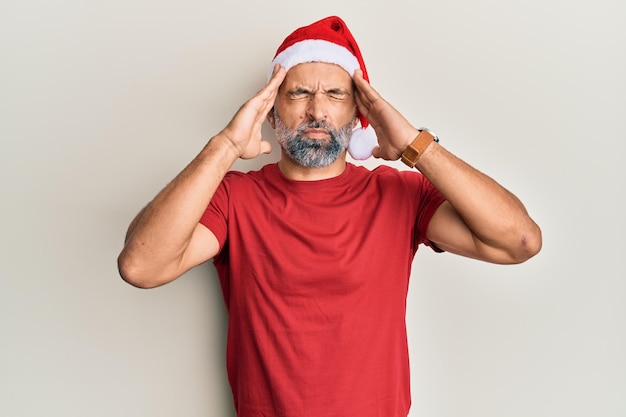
<point x="480" y="218"/>
<point x="165" y="239"/>
<point x="158" y="236"/>
<point x="495" y="217"/>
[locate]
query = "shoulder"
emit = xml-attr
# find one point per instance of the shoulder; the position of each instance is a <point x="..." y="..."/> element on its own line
<point x="238" y="178"/>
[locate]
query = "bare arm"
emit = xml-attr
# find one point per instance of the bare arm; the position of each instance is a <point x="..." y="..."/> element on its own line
<point x="165" y="239"/>
<point x="480" y="218"/>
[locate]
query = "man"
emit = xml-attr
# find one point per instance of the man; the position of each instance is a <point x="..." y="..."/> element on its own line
<point x="314" y="253"/>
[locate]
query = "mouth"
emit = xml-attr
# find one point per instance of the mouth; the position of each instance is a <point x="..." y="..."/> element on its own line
<point x="312" y="133"/>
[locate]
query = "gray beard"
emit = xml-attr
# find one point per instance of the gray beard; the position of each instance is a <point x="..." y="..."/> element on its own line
<point x="312" y="153"/>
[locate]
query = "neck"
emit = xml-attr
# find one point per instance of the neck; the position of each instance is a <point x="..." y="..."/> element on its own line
<point x="294" y="171"/>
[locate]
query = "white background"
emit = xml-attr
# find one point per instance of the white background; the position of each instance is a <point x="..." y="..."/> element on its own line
<point x="103" y="102"/>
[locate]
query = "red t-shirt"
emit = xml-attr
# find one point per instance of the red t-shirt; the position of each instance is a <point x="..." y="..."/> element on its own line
<point x="315" y="276"/>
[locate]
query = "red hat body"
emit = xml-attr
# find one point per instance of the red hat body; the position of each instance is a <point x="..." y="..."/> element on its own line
<point x="335" y="32"/>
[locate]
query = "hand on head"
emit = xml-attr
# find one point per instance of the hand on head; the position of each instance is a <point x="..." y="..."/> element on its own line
<point x="393" y="131"/>
<point x="244" y="130"/>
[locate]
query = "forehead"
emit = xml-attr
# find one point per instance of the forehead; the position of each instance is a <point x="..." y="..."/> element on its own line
<point x="318" y="74"/>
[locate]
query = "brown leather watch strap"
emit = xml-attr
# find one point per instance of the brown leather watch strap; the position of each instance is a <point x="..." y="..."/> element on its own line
<point x="412" y="153"/>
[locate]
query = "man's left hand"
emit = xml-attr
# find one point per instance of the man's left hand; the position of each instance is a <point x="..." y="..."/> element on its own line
<point x="393" y="131"/>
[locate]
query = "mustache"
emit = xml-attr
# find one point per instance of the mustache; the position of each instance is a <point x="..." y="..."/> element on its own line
<point x="315" y="124"/>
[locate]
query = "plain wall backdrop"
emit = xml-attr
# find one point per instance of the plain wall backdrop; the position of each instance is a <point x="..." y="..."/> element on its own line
<point x="103" y="102"/>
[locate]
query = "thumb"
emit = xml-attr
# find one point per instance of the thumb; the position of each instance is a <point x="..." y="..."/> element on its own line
<point x="376" y="152"/>
<point x="266" y="147"/>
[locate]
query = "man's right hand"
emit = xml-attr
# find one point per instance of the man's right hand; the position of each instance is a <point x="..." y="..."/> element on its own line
<point x="244" y="130"/>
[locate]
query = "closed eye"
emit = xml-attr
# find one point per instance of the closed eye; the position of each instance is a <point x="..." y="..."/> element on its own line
<point x="303" y="94"/>
<point x="299" y="94"/>
<point x="337" y="94"/>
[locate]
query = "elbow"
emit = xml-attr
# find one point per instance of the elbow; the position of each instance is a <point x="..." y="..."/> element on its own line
<point x="132" y="273"/>
<point x="529" y="244"/>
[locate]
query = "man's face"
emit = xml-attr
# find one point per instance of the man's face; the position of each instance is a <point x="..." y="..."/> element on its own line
<point x="314" y="113"/>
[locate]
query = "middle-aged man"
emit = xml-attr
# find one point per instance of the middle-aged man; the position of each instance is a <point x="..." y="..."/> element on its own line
<point x="314" y="253"/>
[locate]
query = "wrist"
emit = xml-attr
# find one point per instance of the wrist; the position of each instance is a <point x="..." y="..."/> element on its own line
<point x="415" y="149"/>
<point x="222" y="145"/>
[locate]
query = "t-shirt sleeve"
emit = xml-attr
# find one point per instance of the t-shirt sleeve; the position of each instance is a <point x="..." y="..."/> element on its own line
<point x="215" y="217"/>
<point x="428" y="200"/>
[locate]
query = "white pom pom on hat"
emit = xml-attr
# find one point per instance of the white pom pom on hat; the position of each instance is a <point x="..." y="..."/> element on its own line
<point x="329" y="40"/>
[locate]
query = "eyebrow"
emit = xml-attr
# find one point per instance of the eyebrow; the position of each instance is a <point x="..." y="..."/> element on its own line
<point x="304" y="90"/>
<point x="299" y="90"/>
<point x="337" y="91"/>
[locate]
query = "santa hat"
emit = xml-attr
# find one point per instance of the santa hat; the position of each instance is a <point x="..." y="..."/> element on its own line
<point x="329" y="40"/>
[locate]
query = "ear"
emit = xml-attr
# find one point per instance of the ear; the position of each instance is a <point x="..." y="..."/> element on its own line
<point x="271" y="119"/>
<point x="356" y="120"/>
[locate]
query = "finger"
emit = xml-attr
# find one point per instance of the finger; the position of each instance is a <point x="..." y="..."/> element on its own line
<point x="364" y="88"/>
<point x="358" y="76"/>
<point x="278" y="76"/>
<point x="270" y="91"/>
<point x="376" y="152"/>
<point x="361" y="105"/>
<point x="266" y="147"/>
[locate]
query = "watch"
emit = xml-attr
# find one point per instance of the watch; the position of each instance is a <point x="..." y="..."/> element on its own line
<point x="412" y="153"/>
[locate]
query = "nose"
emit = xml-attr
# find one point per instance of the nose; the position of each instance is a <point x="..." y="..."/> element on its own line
<point x="316" y="107"/>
